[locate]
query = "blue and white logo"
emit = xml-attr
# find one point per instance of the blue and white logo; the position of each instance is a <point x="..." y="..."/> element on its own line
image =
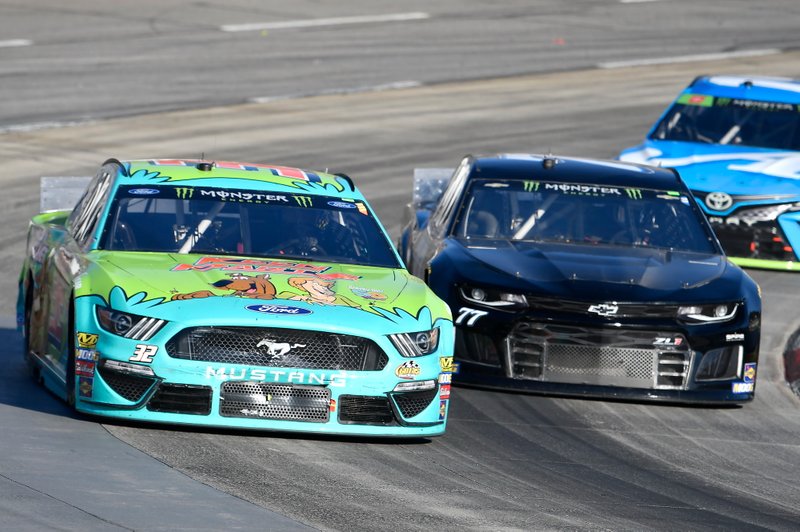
<point x="143" y="191"/>
<point x="341" y="205"/>
<point x="278" y="309"/>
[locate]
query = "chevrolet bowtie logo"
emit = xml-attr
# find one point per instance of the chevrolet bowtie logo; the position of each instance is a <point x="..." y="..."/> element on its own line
<point x="604" y="309"/>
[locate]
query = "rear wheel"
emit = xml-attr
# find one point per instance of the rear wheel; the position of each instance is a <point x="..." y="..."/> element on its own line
<point x="69" y="385"/>
<point x="26" y="331"/>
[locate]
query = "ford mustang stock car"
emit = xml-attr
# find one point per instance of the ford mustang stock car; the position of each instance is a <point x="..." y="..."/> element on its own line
<point x="232" y="295"/>
<point x="585" y="278"/>
<point x="736" y="142"/>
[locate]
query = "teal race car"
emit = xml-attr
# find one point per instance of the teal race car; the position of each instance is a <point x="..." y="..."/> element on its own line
<point x="232" y="295"/>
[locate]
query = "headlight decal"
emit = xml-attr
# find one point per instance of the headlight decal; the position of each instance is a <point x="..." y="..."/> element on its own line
<point x="128" y="325"/>
<point x="416" y="344"/>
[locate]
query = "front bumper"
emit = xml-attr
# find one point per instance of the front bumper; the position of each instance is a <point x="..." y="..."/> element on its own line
<point x="609" y="360"/>
<point x="757" y="236"/>
<point x="113" y="379"/>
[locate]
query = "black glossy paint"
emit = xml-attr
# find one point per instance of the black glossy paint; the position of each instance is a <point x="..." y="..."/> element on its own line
<point x="581" y="275"/>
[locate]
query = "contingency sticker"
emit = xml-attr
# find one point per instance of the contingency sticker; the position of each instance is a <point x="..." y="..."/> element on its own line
<point x="87" y="340"/>
<point x="408" y="370"/>
<point x="85" y="385"/>
<point x="750" y="373"/>
<point x="84" y="368"/>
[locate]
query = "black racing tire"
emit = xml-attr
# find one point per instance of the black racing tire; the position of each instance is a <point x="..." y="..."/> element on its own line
<point x="69" y="384"/>
<point x="26" y="331"/>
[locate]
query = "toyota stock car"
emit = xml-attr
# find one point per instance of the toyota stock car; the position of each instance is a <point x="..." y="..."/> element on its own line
<point x="736" y="142"/>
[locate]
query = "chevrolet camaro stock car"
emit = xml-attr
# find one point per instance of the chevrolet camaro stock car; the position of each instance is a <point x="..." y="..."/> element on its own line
<point x="232" y="295"/>
<point x="583" y="278"/>
<point x="736" y="143"/>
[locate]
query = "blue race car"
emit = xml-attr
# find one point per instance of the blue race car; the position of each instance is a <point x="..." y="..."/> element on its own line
<point x="736" y="143"/>
<point x="232" y="295"/>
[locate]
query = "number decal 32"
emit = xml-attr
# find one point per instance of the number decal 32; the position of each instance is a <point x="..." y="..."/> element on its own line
<point x="144" y="353"/>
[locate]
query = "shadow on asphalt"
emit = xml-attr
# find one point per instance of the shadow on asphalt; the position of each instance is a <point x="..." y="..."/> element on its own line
<point x="18" y="388"/>
<point x="791" y="361"/>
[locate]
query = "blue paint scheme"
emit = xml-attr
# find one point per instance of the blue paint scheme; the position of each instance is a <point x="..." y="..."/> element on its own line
<point x="754" y="176"/>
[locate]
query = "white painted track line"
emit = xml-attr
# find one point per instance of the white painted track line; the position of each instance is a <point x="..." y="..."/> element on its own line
<point x="351" y="90"/>
<point x="337" y="21"/>
<point x="689" y="58"/>
<point x="11" y="43"/>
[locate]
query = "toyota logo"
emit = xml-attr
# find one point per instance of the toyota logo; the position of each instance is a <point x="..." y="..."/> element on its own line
<point x="719" y="201"/>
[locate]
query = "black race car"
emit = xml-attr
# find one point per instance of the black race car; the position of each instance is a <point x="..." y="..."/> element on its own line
<point x="586" y="278"/>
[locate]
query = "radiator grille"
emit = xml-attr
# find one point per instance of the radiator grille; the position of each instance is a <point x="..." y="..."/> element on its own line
<point x="275" y="401"/>
<point x="411" y="404"/>
<point x="606" y="357"/>
<point x="181" y="399"/>
<point x="270" y="347"/>
<point x="600" y="365"/>
<point x="365" y="410"/>
<point x="131" y="387"/>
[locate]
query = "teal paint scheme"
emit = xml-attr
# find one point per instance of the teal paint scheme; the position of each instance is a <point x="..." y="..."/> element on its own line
<point x="233" y="295"/>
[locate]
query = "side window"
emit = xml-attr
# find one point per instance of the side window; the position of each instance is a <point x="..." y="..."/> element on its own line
<point x="450" y="197"/>
<point x="84" y="218"/>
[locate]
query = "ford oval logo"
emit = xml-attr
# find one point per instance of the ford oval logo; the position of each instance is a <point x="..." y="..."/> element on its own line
<point x="341" y="205"/>
<point x="278" y="309"/>
<point x="719" y="201"/>
<point x="144" y="191"/>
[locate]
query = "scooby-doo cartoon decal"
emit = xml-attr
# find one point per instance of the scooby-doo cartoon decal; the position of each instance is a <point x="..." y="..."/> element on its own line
<point x="315" y="285"/>
<point x="238" y="285"/>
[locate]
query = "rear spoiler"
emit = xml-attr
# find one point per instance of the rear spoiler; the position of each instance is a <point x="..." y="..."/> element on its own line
<point x="429" y="184"/>
<point x="61" y="193"/>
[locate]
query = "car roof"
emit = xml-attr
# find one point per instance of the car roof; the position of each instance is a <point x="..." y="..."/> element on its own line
<point x="233" y="175"/>
<point x="765" y="88"/>
<point x="574" y="170"/>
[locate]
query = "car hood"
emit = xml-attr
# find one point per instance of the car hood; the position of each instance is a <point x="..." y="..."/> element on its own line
<point x="737" y="170"/>
<point x="580" y="271"/>
<point x="189" y="286"/>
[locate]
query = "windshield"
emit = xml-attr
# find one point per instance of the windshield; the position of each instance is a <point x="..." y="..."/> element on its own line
<point x="580" y="213"/>
<point x="706" y="119"/>
<point x="245" y="222"/>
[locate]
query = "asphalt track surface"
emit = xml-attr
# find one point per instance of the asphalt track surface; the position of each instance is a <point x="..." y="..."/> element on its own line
<point x="508" y="461"/>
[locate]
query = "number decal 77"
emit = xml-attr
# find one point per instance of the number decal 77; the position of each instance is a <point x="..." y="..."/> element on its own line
<point x="469" y="316"/>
